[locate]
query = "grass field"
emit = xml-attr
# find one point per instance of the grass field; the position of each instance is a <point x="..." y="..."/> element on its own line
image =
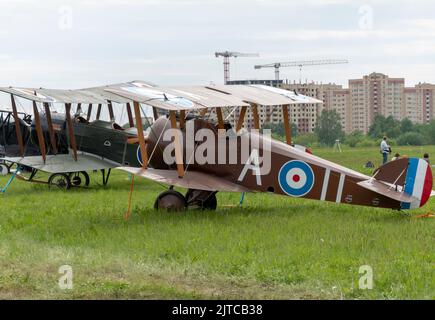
<point x="273" y="247"/>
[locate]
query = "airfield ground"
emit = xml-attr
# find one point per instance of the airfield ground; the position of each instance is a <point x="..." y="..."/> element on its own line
<point x="274" y="247"/>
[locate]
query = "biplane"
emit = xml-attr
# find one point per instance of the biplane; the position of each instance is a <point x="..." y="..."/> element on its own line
<point x="66" y="146"/>
<point x="178" y="151"/>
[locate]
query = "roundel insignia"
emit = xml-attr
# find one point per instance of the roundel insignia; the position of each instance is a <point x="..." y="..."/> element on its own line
<point x="296" y="178"/>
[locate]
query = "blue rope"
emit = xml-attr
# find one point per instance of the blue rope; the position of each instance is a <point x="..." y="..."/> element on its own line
<point x="3" y="190"/>
<point x="242" y="198"/>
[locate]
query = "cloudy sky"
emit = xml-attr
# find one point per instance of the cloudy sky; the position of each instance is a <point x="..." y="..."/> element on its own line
<point x="80" y="43"/>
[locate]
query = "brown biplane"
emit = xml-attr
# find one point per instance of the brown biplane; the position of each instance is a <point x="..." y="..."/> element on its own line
<point x="192" y="145"/>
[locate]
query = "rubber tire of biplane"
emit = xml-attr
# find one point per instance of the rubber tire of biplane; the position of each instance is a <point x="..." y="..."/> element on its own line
<point x="171" y="201"/>
<point x="64" y="184"/>
<point x="201" y="199"/>
<point x="77" y="180"/>
<point x="4" y="169"/>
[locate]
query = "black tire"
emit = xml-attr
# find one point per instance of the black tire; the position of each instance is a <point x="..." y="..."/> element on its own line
<point x="79" y="179"/>
<point x="201" y="199"/>
<point x="171" y="201"/>
<point x="59" y="180"/>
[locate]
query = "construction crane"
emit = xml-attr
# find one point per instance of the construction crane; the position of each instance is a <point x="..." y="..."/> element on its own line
<point x="299" y="64"/>
<point x="227" y="55"/>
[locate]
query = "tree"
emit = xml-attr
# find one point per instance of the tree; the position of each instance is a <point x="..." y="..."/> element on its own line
<point x="328" y="127"/>
<point x="406" y="126"/>
<point x="382" y="126"/>
<point x="355" y="137"/>
<point x="411" y="139"/>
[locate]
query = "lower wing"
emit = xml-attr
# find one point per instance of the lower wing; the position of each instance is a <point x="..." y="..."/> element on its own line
<point x="191" y="180"/>
<point x="63" y="163"/>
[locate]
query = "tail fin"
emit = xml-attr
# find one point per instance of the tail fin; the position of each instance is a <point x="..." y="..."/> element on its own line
<point x="408" y="180"/>
<point x="418" y="182"/>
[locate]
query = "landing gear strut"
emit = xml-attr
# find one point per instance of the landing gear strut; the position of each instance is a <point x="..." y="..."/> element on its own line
<point x="201" y="199"/>
<point x="106" y="176"/>
<point x="172" y="200"/>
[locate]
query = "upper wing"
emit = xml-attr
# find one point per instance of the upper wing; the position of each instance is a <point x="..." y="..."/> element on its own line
<point x="63" y="163"/>
<point x="95" y="95"/>
<point x="200" y="97"/>
<point x="191" y="180"/>
<point x="168" y="98"/>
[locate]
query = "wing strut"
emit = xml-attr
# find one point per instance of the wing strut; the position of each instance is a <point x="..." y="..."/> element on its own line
<point x="287" y="124"/>
<point x="17" y="125"/>
<point x="111" y="114"/>
<point x="220" y="117"/>
<point x="178" y="149"/>
<point x="72" y="137"/>
<point x="241" y="119"/>
<point x="256" y="117"/>
<point x="130" y="115"/>
<point x="98" y="112"/>
<point x="39" y="133"/>
<point x="182" y="119"/>
<point x="50" y="127"/>
<point x="155" y="113"/>
<point x="143" y="150"/>
<point x="88" y="116"/>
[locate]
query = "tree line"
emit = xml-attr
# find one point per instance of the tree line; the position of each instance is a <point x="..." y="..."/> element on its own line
<point x="329" y="129"/>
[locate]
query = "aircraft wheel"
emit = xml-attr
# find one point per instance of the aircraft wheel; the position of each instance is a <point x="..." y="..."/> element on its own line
<point x="170" y="200"/>
<point x="79" y="179"/>
<point x="201" y="199"/>
<point x="59" y="180"/>
<point x="4" y="170"/>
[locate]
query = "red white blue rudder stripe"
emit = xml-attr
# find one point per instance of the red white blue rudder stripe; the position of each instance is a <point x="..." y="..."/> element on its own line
<point x="418" y="183"/>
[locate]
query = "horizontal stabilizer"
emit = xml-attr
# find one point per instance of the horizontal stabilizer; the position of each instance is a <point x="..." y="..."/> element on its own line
<point x="191" y="180"/>
<point x="387" y="190"/>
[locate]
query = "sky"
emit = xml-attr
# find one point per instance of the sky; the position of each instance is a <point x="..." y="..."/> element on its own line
<point x="82" y="43"/>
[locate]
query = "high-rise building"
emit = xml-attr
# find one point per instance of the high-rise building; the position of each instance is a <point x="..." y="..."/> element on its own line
<point x="339" y="100"/>
<point x="411" y="111"/>
<point x="425" y="96"/>
<point x="374" y="94"/>
<point x="305" y="115"/>
<point x="357" y="106"/>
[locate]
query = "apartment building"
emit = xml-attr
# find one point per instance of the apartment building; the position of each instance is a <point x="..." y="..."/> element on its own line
<point x="339" y="100"/>
<point x="358" y="105"/>
<point x="374" y="94"/>
<point x="305" y="116"/>
<point x="425" y="99"/>
<point x="411" y="111"/>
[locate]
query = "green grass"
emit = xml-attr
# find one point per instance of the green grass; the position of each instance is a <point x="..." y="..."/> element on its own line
<point x="274" y="247"/>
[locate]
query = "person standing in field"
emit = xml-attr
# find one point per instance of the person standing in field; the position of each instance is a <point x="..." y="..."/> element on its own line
<point x="385" y="150"/>
<point x="426" y="157"/>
